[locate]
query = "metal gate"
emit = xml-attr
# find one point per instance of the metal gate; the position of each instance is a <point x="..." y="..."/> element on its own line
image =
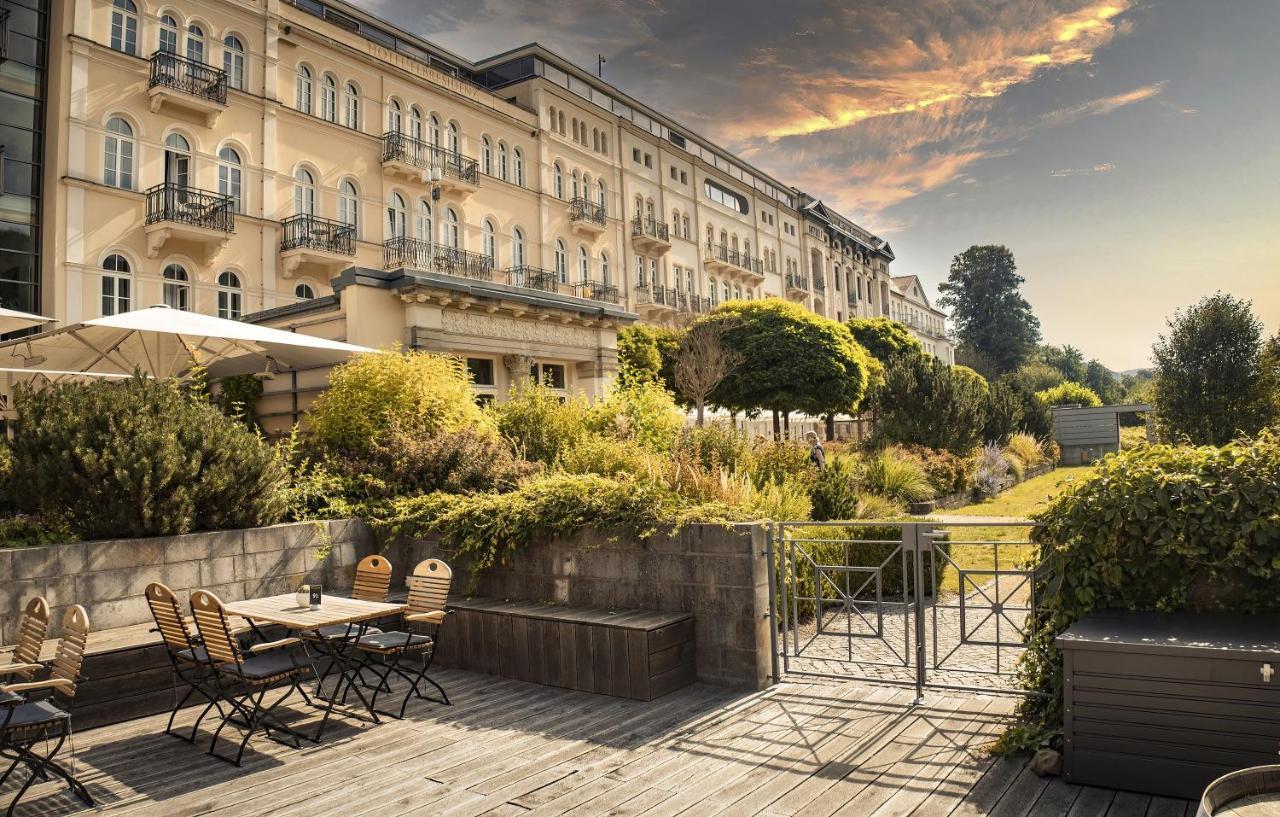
<point x="845" y="602"/>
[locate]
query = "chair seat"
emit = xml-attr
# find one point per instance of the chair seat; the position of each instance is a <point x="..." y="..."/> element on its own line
<point x="260" y="667"/>
<point x="196" y="655"/>
<point x="32" y="714"/>
<point x="344" y="631"/>
<point x="393" y="641"/>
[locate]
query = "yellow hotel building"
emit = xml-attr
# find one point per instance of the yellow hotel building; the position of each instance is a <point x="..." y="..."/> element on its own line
<point x="316" y="168"/>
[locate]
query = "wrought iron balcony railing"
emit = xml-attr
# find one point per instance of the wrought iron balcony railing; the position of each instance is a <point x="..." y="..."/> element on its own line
<point x="188" y="205"/>
<point x="819" y="284"/>
<point x="543" y="280"/>
<point x="401" y="147"/>
<point x="650" y="227"/>
<point x="688" y="302"/>
<point x="581" y="209"/>
<point x="169" y="70"/>
<point x="797" y="281"/>
<point x="415" y="253"/>
<point x="725" y="255"/>
<point x="657" y="296"/>
<point x="305" y="231"/>
<point x="596" y="291"/>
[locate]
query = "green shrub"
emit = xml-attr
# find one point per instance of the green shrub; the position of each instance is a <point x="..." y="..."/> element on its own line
<point x="777" y="460"/>
<point x="717" y="445"/>
<point x="416" y="392"/>
<point x="1069" y="394"/>
<point x="6" y="472"/>
<point x="924" y="402"/>
<point x="237" y="395"/>
<point x="21" y="530"/>
<point x="646" y="354"/>
<point x="898" y="477"/>
<point x="946" y="472"/>
<point x="644" y="412"/>
<point x="834" y="495"/>
<point x="1155" y="528"/>
<point x="140" y="458"/>
<point x="779" y="501"/>
<point x="991" y="470"/>
<point x="973" y="377"/>
<point x="539" y="423"/>
<point x="605" y="456"/>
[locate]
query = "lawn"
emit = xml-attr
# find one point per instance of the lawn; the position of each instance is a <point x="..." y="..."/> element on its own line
<point x="1018" y="502"/>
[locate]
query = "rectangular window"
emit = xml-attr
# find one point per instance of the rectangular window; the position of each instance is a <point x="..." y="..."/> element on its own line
<point x="635" y="154"/>
<point x="684" y="177"/>
<point x="648" y="160"/>
<point x="551" y="375"/>
<point x="481" y="369"/>
<point x="115" y="295"/>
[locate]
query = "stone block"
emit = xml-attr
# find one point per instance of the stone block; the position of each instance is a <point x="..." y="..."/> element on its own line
<point x="122" y="612"/>
<point x="62" y="591"/>
<point x="34" y="562"/>
<point x="14" y="593"/>
<point x="116" y="554"/>
<point x="284" y="537"/>
<point x="217" y="571"/>
<point x="73" y="558"/>
<point x="199" y="546"/>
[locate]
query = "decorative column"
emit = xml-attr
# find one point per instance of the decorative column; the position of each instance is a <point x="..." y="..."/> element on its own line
<point x="517" y="367"/>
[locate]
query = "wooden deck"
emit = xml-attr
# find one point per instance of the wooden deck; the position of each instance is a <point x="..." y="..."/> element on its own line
<point x="512" y="748"/>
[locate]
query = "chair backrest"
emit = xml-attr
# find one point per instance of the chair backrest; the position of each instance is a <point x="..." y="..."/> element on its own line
<point x="373" y="579"/>
<point x="168" y="615"/>
<point x="211" y="621"/>
<point x="70" y="654"/>
<point x="429" y="586"/>
<point x="32" y="629"/>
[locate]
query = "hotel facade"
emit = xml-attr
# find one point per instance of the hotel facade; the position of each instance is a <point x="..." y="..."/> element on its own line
<point x="315" y="168"/>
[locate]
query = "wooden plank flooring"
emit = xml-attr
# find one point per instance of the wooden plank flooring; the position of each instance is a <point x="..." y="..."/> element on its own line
<point x="511" y="749"/>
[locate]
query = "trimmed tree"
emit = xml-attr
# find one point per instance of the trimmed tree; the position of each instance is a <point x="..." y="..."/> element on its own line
<point x="703" y="362"/>
<point x="1070" y="394"/>
<point x="884" y="338"/>
<point x="647" y="353"/>
<point x="996" y="330"/>
<point x="924" y="402"/>
<point x="793" y="360"/>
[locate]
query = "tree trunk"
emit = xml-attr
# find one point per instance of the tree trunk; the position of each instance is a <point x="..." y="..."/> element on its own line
<point x="831" y="426"/>
<point x="777" y="425"/>
<point x="699" y="414"/>
<point x="786" y="424"/>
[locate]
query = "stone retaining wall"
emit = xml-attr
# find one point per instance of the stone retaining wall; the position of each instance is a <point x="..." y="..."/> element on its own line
<point x="110" y="577"/>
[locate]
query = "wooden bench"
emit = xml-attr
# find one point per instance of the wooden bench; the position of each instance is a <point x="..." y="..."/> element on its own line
<point x="639" y="654"/>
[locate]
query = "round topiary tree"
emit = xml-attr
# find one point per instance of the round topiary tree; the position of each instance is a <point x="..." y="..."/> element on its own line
<point x="884" y="338"/>
<point x="1070" y="394"/>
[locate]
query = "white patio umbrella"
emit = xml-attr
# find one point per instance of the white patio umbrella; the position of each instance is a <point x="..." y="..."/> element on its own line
<point x="162" y="342"/>
<point x="11" y="320"/>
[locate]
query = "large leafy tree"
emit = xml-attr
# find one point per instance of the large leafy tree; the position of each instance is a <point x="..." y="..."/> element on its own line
<point x="1210" y="373"/>
<point x="1103" y="382"/>
<point x="884" y="338"/>
<point x="792" y="360"/>
<point x="1067" y="359"/>
<point x="925" y="402"/>
<point x="994" y="325"/>
<point x="646" y="354"/>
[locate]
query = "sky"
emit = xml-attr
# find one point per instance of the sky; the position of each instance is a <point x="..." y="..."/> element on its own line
<point x="1127" y="152"/>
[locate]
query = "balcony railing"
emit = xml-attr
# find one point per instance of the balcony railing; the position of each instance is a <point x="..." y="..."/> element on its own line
<point x="415" y="253"/>
<point x="168" y="70"/>
<point x="657" y="296"/>
<point x="401" y="147"/>
<point x="650" y="227"/>
<point x="581" y="209"/>
<point x="543" y="280"/>
<point x="310" y="232"/>
<point x="187" y="205"/>
<point x="819" y="284"/>
<point x="726" y="255"/>
<point x="596" y="291"/>
<point x="797" y="281"/>
<point x="688" y="302"/>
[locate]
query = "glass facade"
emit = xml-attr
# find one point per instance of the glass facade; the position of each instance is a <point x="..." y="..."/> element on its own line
<point x="24" y="27"/>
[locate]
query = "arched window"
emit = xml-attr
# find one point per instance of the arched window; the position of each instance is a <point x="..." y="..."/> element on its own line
<point x="351" y="106"/>
<point x="424" y="227"/>
<point x="229" y="178"/>
<point x="486" y="156"/>
<point x="606" y="276"/>
<point x="124" y="26"/>
<point x="452" y="236"/>
<point x="560" y="122"/>
<point x="455" y="137"/>
<point x="576" y="185"/>
<point x="433" y="131"/>
<point x="684" y="222"/>
<point x="396" y="216"/>
<point x="562" y="269"/>
<point x="233" y="61"/>
<point x="117" y="154"/>
<point x="116" y="283"/>
<point x="517" y="247"/>
<point x="329" y="98"/>
<point x="177" y="288"/>
<point x="557" y="181"/>
<point x="675" y="222"/>
<point x="551" y="117"/>
<point x="302" y="91"/>
<point x="713" y="291"/>
<point x="168" y="43"/>
<point x="229" y="295"/>
<point x="518" y="158"/>
<point x="601" y="194"/>
<point x="304" y="291"/>
<point x="304" y="192"/>
<point x="177" y="160"/>
<point x="394" y="122"/>
<point x="195" y="44"/>
<point x="502" y="161"/>
<point x="737" y="292"/>
<point x="639" y="206"/>
<point x="595" y="139"/>
<point x="349" y="206"/>
<point x="573" y="125"/>
<point x="490" y="245"/>
<point x="724" y="290"/>
<point x="584" y="265"/>
<point x="604" y="142"/>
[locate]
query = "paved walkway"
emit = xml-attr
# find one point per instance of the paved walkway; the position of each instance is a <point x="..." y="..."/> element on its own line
<point x="509" y="748"/>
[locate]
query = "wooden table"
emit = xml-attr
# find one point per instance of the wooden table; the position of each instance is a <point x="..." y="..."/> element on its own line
<point x="283" y="610"/>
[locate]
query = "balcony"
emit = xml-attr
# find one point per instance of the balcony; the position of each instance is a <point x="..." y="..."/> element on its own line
<point x="184" y="86"/>
<point x="653" y="301"/>
<point x="542" y="280"/>
<point x="797" y="285"/>
<point x="415" y="159"/>
<point x="722" y="259"/>
<point x="316" y="242"/>
<point x="596" y="291"/>
<point x="415" y="253"/>
<point x="650" y="235"/>
<point x="695" y="304"/>
<point x="586" y="219"/>
<point x="176" y="213"/>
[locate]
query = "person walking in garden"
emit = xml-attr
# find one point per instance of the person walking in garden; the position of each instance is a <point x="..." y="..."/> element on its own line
<point x="817" y="455"/>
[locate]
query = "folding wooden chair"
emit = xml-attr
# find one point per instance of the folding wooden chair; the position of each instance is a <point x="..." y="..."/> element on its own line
<point x="188" y="659"/>
<point x="385" y="651"/>
<point x="243" y="680"/>
<point x="28" y="719"/>
<point x="372" y="583"/>
<point x="32" y="628"/>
